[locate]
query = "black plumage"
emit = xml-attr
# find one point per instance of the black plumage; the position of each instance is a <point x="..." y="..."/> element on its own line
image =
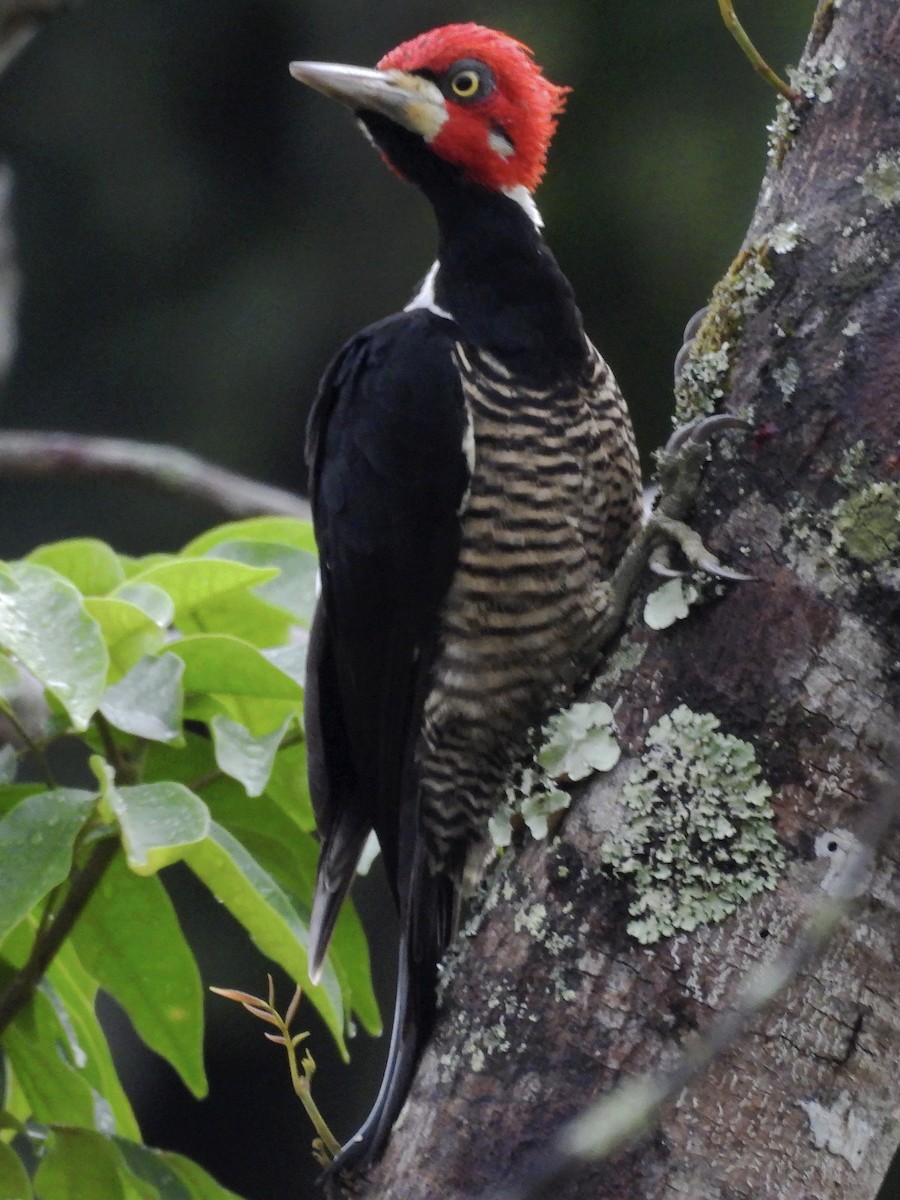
<point x="473" y="480"/>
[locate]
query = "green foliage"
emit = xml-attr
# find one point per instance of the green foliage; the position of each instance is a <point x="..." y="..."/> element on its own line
<point x="181" y="678"/>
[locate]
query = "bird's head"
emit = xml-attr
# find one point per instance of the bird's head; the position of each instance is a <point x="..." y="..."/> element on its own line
<point x="475" y="96"/>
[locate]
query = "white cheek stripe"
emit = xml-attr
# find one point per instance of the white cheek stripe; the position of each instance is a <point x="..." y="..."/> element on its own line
<point x="500" y="143"/>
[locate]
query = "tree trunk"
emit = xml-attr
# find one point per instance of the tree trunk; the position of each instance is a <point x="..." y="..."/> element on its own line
<point x="554" y="1000"/>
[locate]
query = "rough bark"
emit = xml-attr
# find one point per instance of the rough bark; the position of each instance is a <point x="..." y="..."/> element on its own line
<point x="553" y="1001"/>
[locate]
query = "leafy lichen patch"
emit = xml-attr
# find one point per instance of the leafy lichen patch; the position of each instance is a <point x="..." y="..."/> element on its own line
<point x="669" y="603"/>
<point x="855" y="540"/>
<point x="881" y="178"/>
<point x="698" y="838"/>
<point x="813" y="81"/>
<point x="579" y="742"/>
<point x="866" y="525"/>
<point x="575" y="743"/>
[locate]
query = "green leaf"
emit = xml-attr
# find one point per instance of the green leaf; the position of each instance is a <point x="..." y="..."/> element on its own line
<point x="36" y="841"/>
<point x="9" y="764"/>
<point x="246" y="758"/>
<point x="133" y="567"/>
<point x="127" y="630"/>
<point x="130" y="940"/>
<point x="294" y="588"/>
<point x="148" y="1168"/>
<point x="289" y="856"/>
<point x="289" y="659"/>
<point x="14" y="1181"/>
<point x="75" y="990"/>
<point x="187" y="764"/>
<point x="148" y="701"/>
<point x="286" y="531"/>
<point x="43" y="622"/>
<point x="288" y="786"/>
<point x="12" y="794"/>
<point x="241" y="613"/>
<point x="79" y="1164"/>
<point x="195" y="583"/>
<point x="158" y="820"/>
<point x="10" y="680"/>
<point x="38" y="1050"/>
<point x="201" y="1185"/>
<point x="252" y="896"/>
<point x="227" y="666"/>
<point x="239" y="678"/>
<point x="157" y="604"/>
<point x="91" y="565"/>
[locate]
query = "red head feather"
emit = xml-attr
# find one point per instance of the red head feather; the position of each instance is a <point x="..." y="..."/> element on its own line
<point x="521" y="109"/>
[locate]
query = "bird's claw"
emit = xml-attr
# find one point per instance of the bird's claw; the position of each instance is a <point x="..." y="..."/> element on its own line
<point x="692" y="547"/>
<point x="660" y="563"/>
<point x="687" y="339"/>
<point x="679" y="467"/>
<point x="701" y="431"/>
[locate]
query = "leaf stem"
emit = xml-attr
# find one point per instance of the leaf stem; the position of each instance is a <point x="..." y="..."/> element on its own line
<point x="30" y="745"/>
<point x="759" y="64"/>
<point x="55" y="929"/>
<point x="303" y="1091"/>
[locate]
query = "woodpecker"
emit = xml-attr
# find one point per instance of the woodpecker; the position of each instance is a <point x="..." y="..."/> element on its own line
<point x="473" y="481"/>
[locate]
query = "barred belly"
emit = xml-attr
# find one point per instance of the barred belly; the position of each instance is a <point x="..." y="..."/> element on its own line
<point x="553" y="501"/>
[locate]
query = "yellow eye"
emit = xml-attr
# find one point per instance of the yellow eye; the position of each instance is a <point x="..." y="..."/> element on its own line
<point x="465" y="84"/>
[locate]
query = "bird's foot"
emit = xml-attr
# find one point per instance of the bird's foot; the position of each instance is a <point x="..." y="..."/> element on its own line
<point x="679" y="465"/>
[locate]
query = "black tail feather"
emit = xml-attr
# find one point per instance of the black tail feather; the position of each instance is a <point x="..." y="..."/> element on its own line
<point x="422" y="946"/>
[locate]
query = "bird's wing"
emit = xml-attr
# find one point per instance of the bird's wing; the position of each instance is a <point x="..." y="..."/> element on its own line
<point x="388" y="474"/>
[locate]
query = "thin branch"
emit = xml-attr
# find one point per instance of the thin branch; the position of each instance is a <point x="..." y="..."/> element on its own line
<point x="30" y="454"/>
<point x="759" y="64"/>
<point x="55" y="931"/>
<point x="632" y="1109"/>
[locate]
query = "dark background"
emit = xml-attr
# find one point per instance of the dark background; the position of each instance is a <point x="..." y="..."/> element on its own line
<point x="198" y="235"/>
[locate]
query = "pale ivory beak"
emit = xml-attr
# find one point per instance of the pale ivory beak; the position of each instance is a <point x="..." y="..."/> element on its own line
<point x="409" y="100"/>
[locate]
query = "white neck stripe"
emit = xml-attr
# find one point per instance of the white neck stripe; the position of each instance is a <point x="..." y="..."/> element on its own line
<point x="525" y="200"/>
<point x="424" y="297"/>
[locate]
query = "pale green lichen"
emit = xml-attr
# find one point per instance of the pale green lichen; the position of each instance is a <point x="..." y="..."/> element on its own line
<point x="535" y="920"/>
<point x="881" y="178"/>
<point x="701" y="381"/>
<point x="579" y="742"/>
<point x="669" y="603"/>
<point x="853" y="461"/>
<point x="698" y="838"/>
<point x="866" y="524"/>
<point x="813" y="80"/>
<point x="575" y="743"/>
<point x="533" y="799"/>
<point x="784" y="237"/>
<point x="786" y="377"/>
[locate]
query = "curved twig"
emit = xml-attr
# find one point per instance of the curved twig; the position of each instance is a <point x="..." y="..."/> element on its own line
<point x="759" y="64"/>
<point x="26" y="454"/>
